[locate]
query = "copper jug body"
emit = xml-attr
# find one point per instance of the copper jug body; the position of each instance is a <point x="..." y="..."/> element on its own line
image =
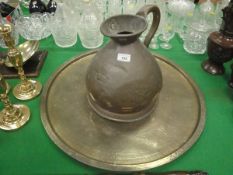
<point x="124" y="80"/>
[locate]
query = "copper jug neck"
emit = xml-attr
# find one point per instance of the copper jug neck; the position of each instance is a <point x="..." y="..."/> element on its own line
<point x="124" y="28"/>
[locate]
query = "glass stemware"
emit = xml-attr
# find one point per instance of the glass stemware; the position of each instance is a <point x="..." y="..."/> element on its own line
<point x="162" y="6"/>
<point x="168" y="32"/>
<point x="154" y="42"/>
<point x="182" y="10"/>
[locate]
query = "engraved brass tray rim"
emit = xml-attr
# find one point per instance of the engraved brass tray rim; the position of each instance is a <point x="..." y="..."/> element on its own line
<point x="121" y="167"/>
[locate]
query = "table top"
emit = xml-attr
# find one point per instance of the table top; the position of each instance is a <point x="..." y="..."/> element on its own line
<point x="29" y="150"/>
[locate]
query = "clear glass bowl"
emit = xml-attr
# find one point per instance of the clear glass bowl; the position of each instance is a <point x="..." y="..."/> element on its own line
<point x="34" y="27"/>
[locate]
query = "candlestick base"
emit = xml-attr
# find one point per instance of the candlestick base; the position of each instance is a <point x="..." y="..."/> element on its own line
<point x="14" y="120"/>
<point x="28" y="90"/>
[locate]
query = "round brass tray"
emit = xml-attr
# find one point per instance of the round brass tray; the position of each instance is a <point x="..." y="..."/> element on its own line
<point x="174" y="126"/>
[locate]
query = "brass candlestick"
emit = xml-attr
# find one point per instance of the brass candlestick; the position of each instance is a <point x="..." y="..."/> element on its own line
<point x="12" y="116"/>
<point x="26" y="89"/>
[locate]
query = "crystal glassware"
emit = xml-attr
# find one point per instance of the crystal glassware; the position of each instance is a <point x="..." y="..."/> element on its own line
<point x="89" y="25"/>
<point x="154" y="42"/>
<point x="204" y="16"/>
<point x="75" y="10"/>
<point x="62" y="26"/>
<point x="168" y="32"/>
<point x="182" y="11"/>
<point x="218" y="11"/>
<point x="195" y="41"/>
<point x="140" y="4"/>
<point x="34" y="27"/>
<point x="129" y="6"/>
<point x="207" y="12"/>
<point x="102" y="6"/>
<point x="162" y="7"/>
<point x="201" y="25"/>
<point x="114" y="7"/>
<point x="149" y="22"/>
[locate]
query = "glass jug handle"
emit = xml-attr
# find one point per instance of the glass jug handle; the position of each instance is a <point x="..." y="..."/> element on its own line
<point x="144" y="11"/>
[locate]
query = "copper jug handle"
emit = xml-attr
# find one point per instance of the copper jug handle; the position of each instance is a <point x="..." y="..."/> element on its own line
<point x="144" y="11"/>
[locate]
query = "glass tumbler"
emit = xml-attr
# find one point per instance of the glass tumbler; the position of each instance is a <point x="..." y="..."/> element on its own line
<point x="62" y="27"/>
<point x="195" y="41"/>
<point x="89" y="26"/>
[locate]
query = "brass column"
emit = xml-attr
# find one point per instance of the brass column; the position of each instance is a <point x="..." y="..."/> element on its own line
<point x="26" y="89"/>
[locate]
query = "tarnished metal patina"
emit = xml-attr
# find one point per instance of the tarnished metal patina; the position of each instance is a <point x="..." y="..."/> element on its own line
<point x="171" y="129"/>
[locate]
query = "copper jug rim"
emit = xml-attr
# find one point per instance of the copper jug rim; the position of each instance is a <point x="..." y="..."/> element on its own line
<point x="128" y="31"/>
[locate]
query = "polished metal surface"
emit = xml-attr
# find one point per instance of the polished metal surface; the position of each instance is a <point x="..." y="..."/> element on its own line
<point x="26" y="89"/>
<point x="173" y="127"/>
<point x="163" y="173"/>
<point x="11" y="116"/>
<point x="27" y="49"/>
<point x="32" y="90"/>
<point x="19" y="120"/>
